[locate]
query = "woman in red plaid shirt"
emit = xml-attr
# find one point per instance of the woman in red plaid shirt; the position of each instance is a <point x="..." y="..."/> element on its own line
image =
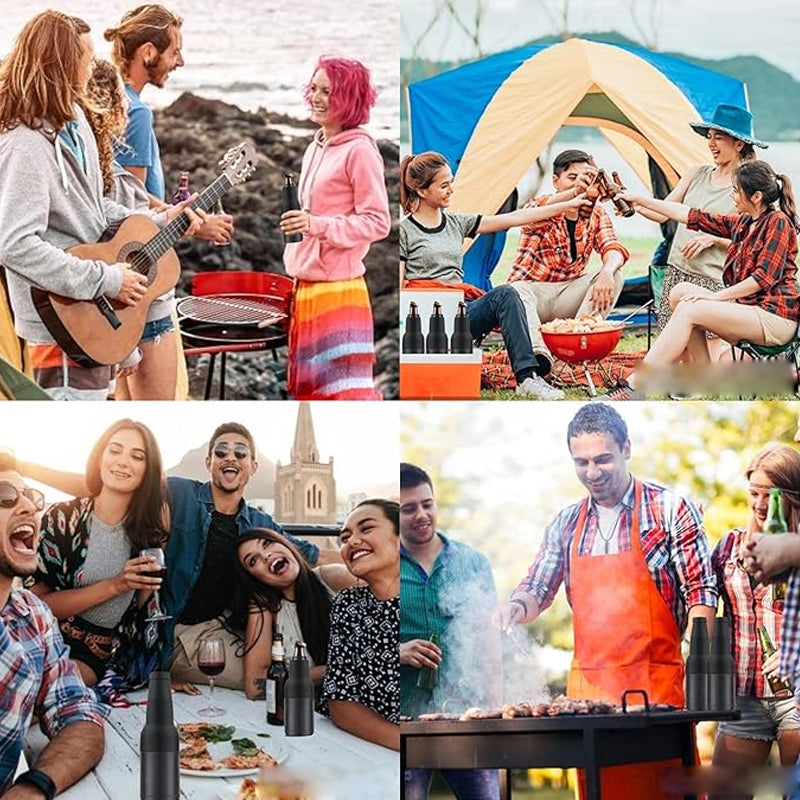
<point x="761" y="298"/>
<point x="749" y="605"/>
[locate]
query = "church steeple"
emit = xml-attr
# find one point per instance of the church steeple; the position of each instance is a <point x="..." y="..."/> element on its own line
<point x="304" y="448"/>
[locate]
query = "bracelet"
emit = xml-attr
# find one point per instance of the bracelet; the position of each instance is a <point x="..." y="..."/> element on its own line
<point x="43" y="782"/>
<point x="521" y="603"/>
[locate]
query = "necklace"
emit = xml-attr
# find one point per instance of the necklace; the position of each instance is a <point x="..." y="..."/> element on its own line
<point x="607" y="536"/>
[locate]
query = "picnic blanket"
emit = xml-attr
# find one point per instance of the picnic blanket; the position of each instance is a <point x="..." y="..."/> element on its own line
<point x="496" y="373"/>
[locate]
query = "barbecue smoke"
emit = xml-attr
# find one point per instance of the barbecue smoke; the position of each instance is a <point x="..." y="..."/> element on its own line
<point x="485" y="667"/>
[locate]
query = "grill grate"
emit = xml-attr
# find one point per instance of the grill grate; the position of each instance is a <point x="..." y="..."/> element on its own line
<point x="234" y="309"/>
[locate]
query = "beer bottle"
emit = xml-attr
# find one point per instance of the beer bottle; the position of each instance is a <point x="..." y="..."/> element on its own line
<point x="697" y="667"/>
<point x="299" y="695"/>
<point x="776" y="523"/>
<point x="290" y="202"/>
<point x="276" y="679"/>
<point x="183" y="192"/>
<point x="427" y="677"/>
<point x="461" y="340"/>
<point x="436" y="342"/>
<point x="721" y="678"/>
<point x="779" y="686"/>
<point x="158" y="744"/>
<point x="413" y="341"/>
<point x="219" y="211"/>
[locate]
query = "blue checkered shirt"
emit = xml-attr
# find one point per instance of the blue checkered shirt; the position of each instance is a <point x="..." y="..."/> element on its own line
<point x="790" y="636"/>
<point x="36" y="676"/>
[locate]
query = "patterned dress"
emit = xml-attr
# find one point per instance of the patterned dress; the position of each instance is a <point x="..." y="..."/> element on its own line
<point x="363" y="652"/>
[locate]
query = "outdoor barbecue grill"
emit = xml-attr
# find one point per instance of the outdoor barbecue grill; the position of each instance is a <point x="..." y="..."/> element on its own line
<point x="586" y="741"/>
<point x="579" y="350"/>
<point x="231" y="322"/>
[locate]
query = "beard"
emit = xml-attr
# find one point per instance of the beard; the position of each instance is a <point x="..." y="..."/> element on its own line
<point x="9" y="570"/>
<point x="157" y="73"/>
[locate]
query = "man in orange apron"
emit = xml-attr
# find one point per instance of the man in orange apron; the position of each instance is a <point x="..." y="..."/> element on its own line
<point x="635" y="562"/>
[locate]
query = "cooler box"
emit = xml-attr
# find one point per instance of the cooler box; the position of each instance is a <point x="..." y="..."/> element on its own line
<point x="437" y="376"/>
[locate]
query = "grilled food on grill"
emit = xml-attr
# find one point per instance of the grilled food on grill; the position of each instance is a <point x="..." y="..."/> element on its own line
<point x="561" y="706"/>
<point x="585" y="324"/>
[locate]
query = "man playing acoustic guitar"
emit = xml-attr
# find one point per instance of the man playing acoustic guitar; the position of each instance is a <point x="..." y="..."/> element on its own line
<point x="52" y="196"/>
<point x="146" y="48"/>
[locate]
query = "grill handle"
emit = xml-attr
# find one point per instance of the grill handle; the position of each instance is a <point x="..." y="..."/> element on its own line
<point x="641" y="692"/>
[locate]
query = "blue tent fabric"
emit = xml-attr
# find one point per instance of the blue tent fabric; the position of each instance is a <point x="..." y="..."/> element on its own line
<point x="445" y="110"/>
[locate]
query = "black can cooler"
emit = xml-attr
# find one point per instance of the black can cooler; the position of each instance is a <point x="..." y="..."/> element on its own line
<point x="160" y="774"/>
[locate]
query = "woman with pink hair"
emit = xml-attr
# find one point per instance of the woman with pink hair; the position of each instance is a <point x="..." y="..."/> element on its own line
<point x="344" y="208"/>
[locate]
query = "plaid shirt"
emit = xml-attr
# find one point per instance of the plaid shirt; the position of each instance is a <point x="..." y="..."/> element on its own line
<point x="36" y="676"/>
<point x="764" y="249"/>
<point x="748" y="608"/>
<point x="673" y="543"/>
<point x="790" y="638"/>
<point x="544" y="249"/>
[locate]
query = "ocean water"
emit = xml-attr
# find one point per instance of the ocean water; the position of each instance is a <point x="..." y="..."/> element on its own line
<point x="254" y="53"/>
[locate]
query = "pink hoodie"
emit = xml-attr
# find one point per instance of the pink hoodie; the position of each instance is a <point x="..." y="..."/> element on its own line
<point x="342" y="186"/>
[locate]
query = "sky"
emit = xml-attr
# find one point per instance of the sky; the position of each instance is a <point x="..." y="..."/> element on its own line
<point x="704" y="28"/>
<point x="363" y="438"/>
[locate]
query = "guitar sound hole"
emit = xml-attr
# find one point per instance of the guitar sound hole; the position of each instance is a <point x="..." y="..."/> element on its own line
<point x="139" y="261"/>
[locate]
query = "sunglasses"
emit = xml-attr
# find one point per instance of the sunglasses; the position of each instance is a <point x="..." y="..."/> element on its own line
<point x="10" y="495"/>
<point x="223" y="450"/>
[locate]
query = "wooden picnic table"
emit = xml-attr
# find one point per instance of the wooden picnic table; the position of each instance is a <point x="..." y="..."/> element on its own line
<point x="348" y="766"/>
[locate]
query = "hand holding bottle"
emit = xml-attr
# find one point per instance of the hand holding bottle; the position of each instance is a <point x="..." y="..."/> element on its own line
<point x="294" y="222"/>
<point x="420" y="653"/>
<point x="770" y="555"/>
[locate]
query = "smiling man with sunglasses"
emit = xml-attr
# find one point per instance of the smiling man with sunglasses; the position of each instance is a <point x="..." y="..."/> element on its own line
<point x="206" y="522"/>
<point x="37" y="676"/>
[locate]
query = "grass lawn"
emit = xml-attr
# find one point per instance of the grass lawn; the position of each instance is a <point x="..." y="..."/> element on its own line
<point x="641" y="250"/>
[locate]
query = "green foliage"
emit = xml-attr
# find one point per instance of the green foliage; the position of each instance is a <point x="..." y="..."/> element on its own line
<point x="502" y="471"/>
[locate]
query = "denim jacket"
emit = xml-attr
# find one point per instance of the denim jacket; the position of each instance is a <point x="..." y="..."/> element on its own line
<point x="191" y="505"/>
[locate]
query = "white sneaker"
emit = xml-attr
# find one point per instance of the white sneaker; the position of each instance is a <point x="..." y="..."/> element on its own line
<point x="539" y="388"/>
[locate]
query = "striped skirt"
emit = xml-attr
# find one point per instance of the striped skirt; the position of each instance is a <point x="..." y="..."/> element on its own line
<point x="63" y="379"/>
<point x="331" y="342"/>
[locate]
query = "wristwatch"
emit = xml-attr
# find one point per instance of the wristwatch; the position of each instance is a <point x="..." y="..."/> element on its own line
<point x="40" y="780"/>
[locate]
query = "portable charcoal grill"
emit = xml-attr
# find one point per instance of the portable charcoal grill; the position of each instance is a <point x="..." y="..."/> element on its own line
<point x="586" y="741"/>
<point x="231" y="322"/>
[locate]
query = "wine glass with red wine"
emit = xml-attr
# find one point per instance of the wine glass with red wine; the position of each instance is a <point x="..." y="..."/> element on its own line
<point x="159" y="570"/>
<point x="211" y="661"/>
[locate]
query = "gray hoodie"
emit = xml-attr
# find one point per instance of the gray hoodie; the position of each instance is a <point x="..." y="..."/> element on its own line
<point x="47" y="204"/>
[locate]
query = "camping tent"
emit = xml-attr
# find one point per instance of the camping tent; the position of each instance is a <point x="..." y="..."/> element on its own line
<point x="492" y="118"/>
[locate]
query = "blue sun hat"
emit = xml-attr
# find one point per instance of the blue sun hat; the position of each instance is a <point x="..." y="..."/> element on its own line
<point x="733" y="120"/>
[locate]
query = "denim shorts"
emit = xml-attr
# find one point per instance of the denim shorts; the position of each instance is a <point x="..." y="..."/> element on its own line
<point x="156" y="328"/>
<point x="763" y="718"/>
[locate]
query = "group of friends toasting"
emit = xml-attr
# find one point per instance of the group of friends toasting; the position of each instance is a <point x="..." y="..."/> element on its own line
<point x="79" y="156"/>
<point x="730" y="274"/>
<point x="138" y="571"/>
<point x="638" y="570"/>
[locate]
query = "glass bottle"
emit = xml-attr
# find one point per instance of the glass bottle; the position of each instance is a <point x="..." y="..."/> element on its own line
<point x="220" y="212"/>
<point x="183" y="192"/>
<point x="428" y="677"/>
<point x="290" y="202"/>
<point x="776" y="523"/>
<point x="779" y="686"/>
<point x="276" y="680"/>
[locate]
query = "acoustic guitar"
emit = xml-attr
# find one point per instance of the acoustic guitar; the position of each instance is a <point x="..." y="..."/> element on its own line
<point x="105" y="331"/>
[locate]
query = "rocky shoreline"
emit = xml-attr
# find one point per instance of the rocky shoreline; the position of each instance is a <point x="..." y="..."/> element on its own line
<point x="193" y="134"/>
